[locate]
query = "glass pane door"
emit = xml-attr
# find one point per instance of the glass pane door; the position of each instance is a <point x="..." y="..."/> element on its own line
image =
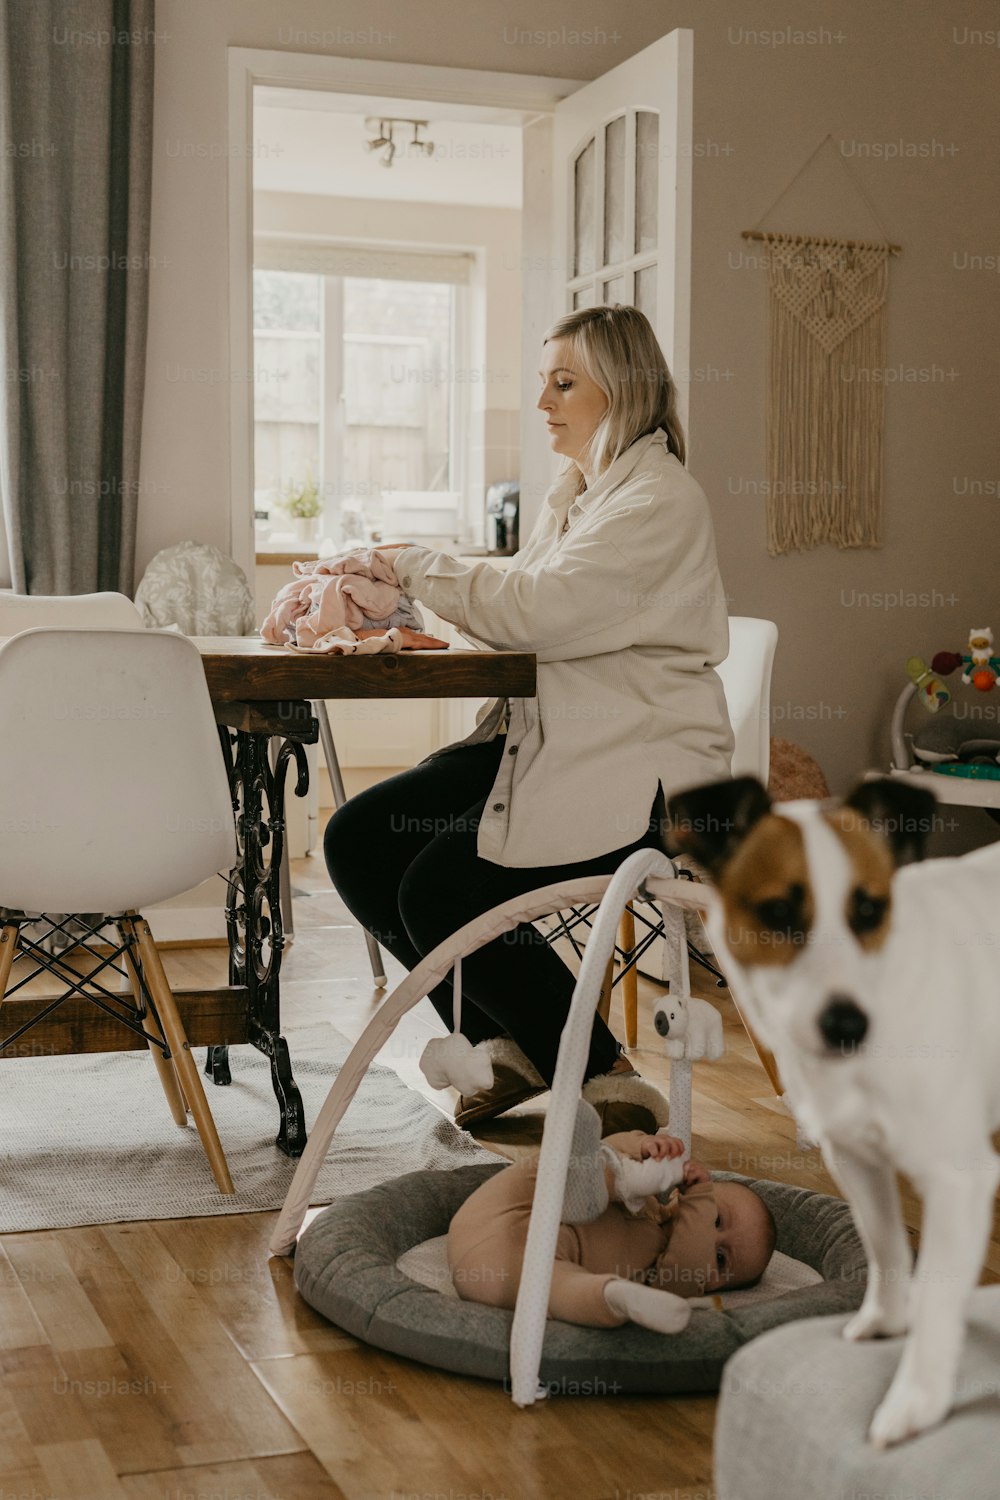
<point x="614" y="214"/>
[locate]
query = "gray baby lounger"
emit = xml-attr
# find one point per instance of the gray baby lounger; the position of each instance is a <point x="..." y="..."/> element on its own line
<point x="346" y="1268"/>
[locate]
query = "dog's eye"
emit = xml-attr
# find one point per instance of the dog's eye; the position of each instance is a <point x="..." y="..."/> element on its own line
<point x="777" y="914"/>
<point x="867" y="912"/>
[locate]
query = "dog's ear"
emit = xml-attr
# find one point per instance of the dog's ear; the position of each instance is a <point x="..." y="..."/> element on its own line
<point x="901" y="813"/>
<point x="712" y="821"/>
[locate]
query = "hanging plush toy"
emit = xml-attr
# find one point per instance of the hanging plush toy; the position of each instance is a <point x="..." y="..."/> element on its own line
<point x="981" y="664"/>
<point x="452" y="1061"/>
<point x="930" y="689"/>
<point x="981" y="667"/>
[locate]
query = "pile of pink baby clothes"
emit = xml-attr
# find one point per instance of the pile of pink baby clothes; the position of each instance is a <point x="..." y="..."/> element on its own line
<point x="329" y="601"/>
<point x="343" y="642"/>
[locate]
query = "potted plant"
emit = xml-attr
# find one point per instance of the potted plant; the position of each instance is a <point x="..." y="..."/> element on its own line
<point x="302" y="504"/>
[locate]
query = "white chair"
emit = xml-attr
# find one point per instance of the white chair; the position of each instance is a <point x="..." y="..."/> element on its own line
<point x="746" y="680"/>
<point x="67" y="612"/>
<point x="104" y="611"/>
<point x="113" y="796"/>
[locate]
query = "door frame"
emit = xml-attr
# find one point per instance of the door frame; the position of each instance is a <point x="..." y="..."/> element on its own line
<point x="534" y="96"/>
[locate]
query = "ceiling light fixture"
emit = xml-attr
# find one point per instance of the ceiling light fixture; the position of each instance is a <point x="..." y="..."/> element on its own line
<point x="385" y="143"/>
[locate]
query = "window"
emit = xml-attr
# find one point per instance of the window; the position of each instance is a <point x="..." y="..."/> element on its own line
<point x="354" y="387"/>
<point x="288" y="369"/>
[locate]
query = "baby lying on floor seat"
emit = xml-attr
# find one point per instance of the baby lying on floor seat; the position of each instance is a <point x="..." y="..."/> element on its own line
<point x="619" y="1248"/>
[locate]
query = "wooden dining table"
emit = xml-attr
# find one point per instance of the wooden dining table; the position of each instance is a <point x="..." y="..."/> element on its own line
<point x="263" y="699"/>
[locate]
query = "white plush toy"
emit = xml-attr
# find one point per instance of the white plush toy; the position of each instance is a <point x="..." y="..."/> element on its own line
<point x="691" y="1027"/>
<point x="452" y="1061"/>
<point x="635" y="1181"/>
<point x="588" y="1192"/>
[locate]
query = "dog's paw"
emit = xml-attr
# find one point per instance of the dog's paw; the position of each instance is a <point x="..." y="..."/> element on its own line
<point x="875" y="1322"/>
<point x="909" y="1408"/>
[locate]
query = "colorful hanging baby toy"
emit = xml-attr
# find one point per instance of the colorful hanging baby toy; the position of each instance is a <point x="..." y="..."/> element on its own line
<point x="949" y="748"/>
<point x="982" y="669"/>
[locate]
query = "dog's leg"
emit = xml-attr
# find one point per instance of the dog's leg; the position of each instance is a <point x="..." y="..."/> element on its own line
<point x="870" y="1188"/>
<point x="958" y="1209"/>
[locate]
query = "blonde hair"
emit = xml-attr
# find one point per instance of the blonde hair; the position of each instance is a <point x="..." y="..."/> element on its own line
<point x="618" y="350"/>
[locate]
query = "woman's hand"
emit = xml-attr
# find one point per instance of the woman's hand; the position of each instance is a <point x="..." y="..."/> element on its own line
<point x="389" y="551"/>
<point x="660" y="1147"/>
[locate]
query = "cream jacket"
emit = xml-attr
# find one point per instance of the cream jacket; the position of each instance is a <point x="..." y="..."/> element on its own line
<point x="618" y="594"/>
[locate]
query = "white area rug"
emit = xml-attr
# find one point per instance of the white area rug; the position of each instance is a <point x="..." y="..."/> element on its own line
<point x="90" y="1140"/>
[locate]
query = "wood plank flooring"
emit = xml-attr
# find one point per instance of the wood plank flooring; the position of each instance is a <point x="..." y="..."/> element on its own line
<point x="174" y="1361"/>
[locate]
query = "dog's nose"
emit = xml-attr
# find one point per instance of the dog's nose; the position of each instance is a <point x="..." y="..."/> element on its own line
<point x="843" y="1023"/>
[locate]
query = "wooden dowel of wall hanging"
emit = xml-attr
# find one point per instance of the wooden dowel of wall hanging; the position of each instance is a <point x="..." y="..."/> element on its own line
<point x="815" y="239"/>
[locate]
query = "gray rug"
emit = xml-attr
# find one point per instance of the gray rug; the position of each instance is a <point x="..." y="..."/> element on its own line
<point x="89" y="1139"/>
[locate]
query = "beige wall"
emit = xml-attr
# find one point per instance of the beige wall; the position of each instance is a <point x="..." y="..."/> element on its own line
<point x="901" y="78"/>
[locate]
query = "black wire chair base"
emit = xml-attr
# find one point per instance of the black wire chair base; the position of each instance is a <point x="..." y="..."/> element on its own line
<point x="47" y="942"/>
<point x="565" y="923"/>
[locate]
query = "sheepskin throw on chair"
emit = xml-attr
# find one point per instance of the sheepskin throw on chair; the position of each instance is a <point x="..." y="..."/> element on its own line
<point x="826" y="392"/>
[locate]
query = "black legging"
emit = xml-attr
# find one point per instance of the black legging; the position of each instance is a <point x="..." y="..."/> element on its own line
<point x="403" y="857"/>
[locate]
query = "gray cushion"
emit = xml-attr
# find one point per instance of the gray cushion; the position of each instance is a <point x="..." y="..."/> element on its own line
<point x="796" y="1406"/>
<point x="345" y="1267"/>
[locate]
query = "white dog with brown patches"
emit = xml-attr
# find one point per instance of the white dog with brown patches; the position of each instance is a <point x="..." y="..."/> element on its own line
<point x="877" y="988"/>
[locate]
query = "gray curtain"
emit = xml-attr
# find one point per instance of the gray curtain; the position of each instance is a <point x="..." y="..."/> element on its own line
<point x="76" y="107"/>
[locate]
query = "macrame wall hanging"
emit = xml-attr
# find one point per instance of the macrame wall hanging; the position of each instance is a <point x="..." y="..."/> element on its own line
<point x="826" y="387"/>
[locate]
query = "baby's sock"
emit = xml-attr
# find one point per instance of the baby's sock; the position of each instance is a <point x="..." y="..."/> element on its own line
<point x="586" y="1195"/>
<point x="647" y="1306"/>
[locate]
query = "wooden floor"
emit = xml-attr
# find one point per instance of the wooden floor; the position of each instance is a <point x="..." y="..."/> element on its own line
<point x="174" y="1361"/>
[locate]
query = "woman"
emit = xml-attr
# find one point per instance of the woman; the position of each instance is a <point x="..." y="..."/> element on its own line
<point x="617" y="591"/>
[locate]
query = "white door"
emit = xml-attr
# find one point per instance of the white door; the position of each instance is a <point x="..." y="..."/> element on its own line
<point x="621" y="212"/>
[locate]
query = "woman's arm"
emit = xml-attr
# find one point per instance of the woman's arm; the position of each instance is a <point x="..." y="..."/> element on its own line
<point x="641" y="560"/>
<point x="558" y="611"/>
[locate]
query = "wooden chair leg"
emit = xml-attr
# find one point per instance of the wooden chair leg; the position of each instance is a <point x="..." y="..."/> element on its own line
<point x="604" y="998"/>
<point x="766" y="1058"/>
<point x="165" y="1069"/>
<point x="187" y="1069"/>
<point x="8" y="952"/>
<point x="630" y="980"/>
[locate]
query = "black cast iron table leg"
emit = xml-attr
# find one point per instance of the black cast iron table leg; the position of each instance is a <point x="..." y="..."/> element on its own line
<point x="253" y="910"/>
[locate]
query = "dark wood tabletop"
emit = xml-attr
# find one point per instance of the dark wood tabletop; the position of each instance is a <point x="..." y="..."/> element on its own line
<point x="241" y="669"/>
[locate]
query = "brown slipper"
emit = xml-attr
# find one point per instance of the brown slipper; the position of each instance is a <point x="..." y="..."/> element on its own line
<point x="625" y="1101"/>
<point x="515" y="1079"/>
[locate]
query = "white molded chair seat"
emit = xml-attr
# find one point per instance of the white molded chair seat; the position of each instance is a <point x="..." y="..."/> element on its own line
<point x="111" y="775"/>
<point x="746" y="680"/>
<point x="113" y="795"/>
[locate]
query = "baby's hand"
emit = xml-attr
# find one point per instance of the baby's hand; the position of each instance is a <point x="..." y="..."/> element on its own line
<point x="694" y="1172"/>
<point x="660" y="1147"/>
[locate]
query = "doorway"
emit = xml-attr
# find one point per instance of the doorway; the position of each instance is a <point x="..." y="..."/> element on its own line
<point x="386" y="319"/>
<point x="570" y="138"/>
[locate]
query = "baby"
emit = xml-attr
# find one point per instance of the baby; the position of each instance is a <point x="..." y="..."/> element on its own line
<point x="613" y="1267"/>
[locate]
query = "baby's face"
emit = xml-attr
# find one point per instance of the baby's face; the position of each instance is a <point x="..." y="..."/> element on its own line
<point x="743" y="1241"/>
